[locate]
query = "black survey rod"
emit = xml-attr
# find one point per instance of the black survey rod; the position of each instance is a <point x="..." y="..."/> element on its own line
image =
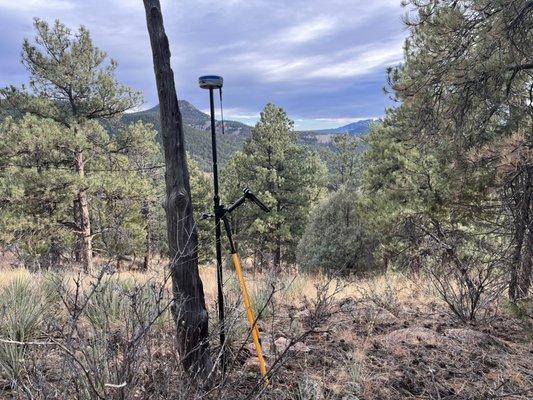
<point x="216" y="209"/>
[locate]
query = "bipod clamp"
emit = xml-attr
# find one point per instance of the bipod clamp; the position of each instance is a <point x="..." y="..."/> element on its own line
<point x="247" y="195"/>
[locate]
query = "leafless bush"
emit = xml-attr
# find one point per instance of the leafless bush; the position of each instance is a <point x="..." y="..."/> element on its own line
<point x="103" y="338"/>
<point x="466" y="269"/>
<point x="381" y="293"/>
<point x="110" y="336"/>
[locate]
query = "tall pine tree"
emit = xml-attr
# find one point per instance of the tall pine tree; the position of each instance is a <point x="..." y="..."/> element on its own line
<point x="449" y="170"/>
<point x="72" y="84"/>
<point x="287" y="176"/>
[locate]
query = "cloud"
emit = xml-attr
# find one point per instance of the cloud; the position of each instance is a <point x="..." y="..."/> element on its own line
<point x="36" y="5"/>
<point x="238" y="114"/>
<point x="317" y="59"/>
<point x="309" y="30"/>
<point x="275" y="69"/>
<point x="360" y="63"/>
<point x="354" y="62"/>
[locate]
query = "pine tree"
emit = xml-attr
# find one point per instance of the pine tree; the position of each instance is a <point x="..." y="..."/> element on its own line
<point x="436" y="185"/>
<point x="202" y="199"/>
<point x="70" y="83"/>
<point x="337" y="237"/>
<point x="287" y="176"/>
<point x="37" y="187"/>
<point x="344" y="161"/>
<point x="126" y="193"/>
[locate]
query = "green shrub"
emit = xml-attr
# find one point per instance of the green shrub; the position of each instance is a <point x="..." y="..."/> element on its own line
<point x="107" y="304"/>
<point x="261" y="298"/>
<point x="336" y="237"/>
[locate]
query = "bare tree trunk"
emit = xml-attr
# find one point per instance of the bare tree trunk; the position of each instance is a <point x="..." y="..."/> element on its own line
<point x="148" y="252"/>
<point x="277" y="251"/>
<point x="515" y="259"/>
<point x="524" y="283"/>
<point x="76" y="218"/>
<point x="189" y="308"/>
<point x="84" y="223"/>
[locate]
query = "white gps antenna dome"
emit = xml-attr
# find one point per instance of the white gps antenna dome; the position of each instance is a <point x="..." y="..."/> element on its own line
<point x="210" y="82"/>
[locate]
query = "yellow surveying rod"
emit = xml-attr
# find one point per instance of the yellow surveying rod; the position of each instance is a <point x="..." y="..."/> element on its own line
<point x="250" y="315"/>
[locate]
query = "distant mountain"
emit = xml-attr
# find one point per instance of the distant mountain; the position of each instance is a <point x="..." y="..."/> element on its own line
<point x="200" y="120"/>
<point x="197" y="126"/>
<point x="358" y="128"/>
<point x="324" y="136"/>
<point x="194" y="118"/>
<point x="197" y="132"/>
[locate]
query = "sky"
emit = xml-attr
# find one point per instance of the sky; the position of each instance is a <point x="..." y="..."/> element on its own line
<point x="323" y="61"/>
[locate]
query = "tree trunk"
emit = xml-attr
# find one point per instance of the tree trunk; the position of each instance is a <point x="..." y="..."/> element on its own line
<point x="524" y="278"/>
<point x="277" y="256"/>
<point x="524" y="282"/>
<point x="515" y="260"/>
<point x="189" y="308"/>
<point x="148" y="252"/>
<point x="148" y="255"/>
<point x="84" y="223"/>
<point x="76" y="219"/>
<point x="520" y="274"/>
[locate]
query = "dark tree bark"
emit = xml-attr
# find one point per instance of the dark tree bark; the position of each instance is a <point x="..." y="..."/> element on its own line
<point x="524" y="279"/>
<point x="524" y="283"/>
<point x="189" y="308"/>
<point x="521" y="261"/>
<point x="76" y="218"/>
<point x="84" y="222"/>
<point x="148" y="252"/>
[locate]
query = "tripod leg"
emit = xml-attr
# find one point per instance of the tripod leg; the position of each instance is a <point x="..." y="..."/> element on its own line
<point x="250" y="314"/>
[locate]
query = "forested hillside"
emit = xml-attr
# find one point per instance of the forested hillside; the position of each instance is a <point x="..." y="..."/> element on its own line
<point x="198" y="137"/>
<point x="197" y="132"/>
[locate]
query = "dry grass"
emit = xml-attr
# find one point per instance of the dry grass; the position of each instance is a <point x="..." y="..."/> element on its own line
<point x="8" y="275"/>
<point x="292" y="286"/>
<point x="379" y="337"/>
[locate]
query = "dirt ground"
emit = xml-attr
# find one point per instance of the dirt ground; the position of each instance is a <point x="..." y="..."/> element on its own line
<point x="406" y="351"/>
<point x="383" y="337"/>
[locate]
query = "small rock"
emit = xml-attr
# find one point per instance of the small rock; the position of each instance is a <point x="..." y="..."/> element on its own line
<point x="251" y="348"/>
<point x="251" y="363"/>
<point x="300" y="347"/>
<point x="303" y="314"/>
<point x="385" y="317"/>
<point x="281" y="344"/>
